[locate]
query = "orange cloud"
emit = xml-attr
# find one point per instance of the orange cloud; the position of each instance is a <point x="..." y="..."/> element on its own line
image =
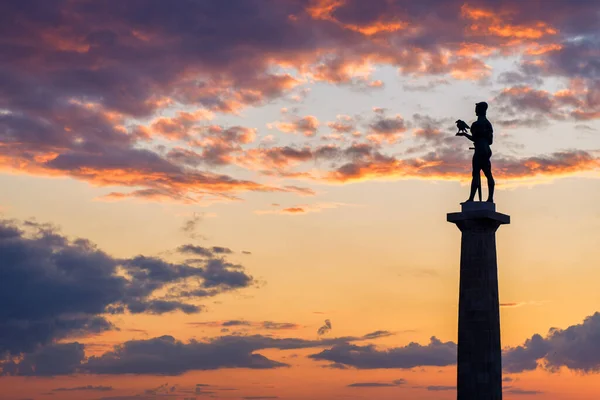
<point x="293" y="210"/>
<point x="274" y="157"/>
<point x="323" y="10"/>
<point x="307" y="125"/>
<point x="303" y="209"/>
<point x="180" y="126"/>
<point x="450" y="166"/>
<point x="575" y="102"/>
<point x="492" y="23"/>
<point x="343" y="124"/>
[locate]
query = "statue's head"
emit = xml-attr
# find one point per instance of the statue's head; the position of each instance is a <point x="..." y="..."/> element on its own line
<point x="481" y="108"/>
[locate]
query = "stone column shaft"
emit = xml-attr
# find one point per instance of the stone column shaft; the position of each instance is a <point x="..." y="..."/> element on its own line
<point x="479" y="351"/>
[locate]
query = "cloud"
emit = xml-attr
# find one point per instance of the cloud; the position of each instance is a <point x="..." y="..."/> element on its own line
<point x="343" y="124"/>
<point x="325" y="328"/>
<point x="426" y="87"/>
<point x="165" y="355"/>
<point x="203" y="251"/>
<point x="518" y="78"/>
<point x="447" y="163"/>
<point x="430" y="129"/>
<point x="585" y="127"/>
<point x="524" y="105"/>
<point x="522" y="391"/>
<point x="388" y="129"/>
<point x="60" y="288"/>
<point x="436" y="353"/>
<point x="307" y="125"/>
<point x="181" y="126"/>
<point x="221" y="250"/>
<point x="439" y="156"/>
<point x="171" y="357"/>
<point x="278" y="158"/>
<point x="396" y="382"/>
<point x="521" y="303"/>
<point x="378" y="334"/>
<point x="440" y="388"/>
<point x="575" y="348"/>
<point x="279" y="325"/>
<point x="259" y="397"/>
<point x="190" y="226"/>
<point x="68" y="112"/>
<point x="303" y="208"/>
<point x="267" y="325"/>
<point x="84" y="388"/>
<point x="54" y="359"/>
<point x="219" y="144"/>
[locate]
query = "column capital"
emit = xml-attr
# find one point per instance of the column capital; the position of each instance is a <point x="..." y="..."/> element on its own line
<point x="478" y="211"/>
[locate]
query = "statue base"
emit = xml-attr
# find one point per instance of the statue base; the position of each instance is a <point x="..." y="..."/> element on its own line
<point x="482" y="210"/>
<point x="477" y="205"/>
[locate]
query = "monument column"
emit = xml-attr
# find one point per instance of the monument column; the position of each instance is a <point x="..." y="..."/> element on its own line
<point x="479" y="352"/>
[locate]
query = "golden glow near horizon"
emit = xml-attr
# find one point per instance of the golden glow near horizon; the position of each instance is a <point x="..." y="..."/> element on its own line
<point x="245" y="174"/>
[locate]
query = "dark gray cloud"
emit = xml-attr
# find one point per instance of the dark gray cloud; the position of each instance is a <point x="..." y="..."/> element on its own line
<point x="165" y="355"/>
<point x="440" y="388"/>
<point x="432" y="129"/>
<point x="325" y="328"/>
<point x="396" y="382"/>
<point x="53" y="359"/>
<point x="259" y="397"/>
<point x="575" y="348"/>
<point x="517" y="78"/>
<point x="55" y="288"/>
<point x="84" y="388"/>
<point x="279" y="325"/>
<point x="236" y="323"/>
<point x="514" y="390"/>
<point x="378" y="334"/>
<point x="195" y="250"/>
<point x="425" y="87"/>
<point x="268" y="325"/>
<point x="389" y="125"/>
<point x="436" y="353"/>
<point x="190" y="226"/>
<point x="204" y="251"/>
<point x="221" y="250"/>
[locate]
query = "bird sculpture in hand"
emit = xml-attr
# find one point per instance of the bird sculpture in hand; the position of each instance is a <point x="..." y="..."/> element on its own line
<point x="462" y="127"/>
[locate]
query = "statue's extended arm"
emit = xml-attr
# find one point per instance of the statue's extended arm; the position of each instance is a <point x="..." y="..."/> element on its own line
<point x="470" y="137"/>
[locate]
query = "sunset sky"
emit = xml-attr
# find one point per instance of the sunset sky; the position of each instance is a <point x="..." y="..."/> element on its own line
<point x="246" y="199"/>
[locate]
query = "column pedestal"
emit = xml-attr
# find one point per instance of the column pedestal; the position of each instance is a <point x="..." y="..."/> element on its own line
<point x="479" y="351"/>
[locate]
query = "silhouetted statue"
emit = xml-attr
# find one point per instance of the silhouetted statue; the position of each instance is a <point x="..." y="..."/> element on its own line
<point x="482" y="136"/>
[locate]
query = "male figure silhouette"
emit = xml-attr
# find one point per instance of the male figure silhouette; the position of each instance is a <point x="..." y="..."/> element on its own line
<point x="482" y="136"/>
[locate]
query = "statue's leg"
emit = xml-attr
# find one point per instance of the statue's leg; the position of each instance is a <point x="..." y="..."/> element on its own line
<point x="490" y="181"/>
<point x="476" y="180"/>
<point x="475" y="184"/>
